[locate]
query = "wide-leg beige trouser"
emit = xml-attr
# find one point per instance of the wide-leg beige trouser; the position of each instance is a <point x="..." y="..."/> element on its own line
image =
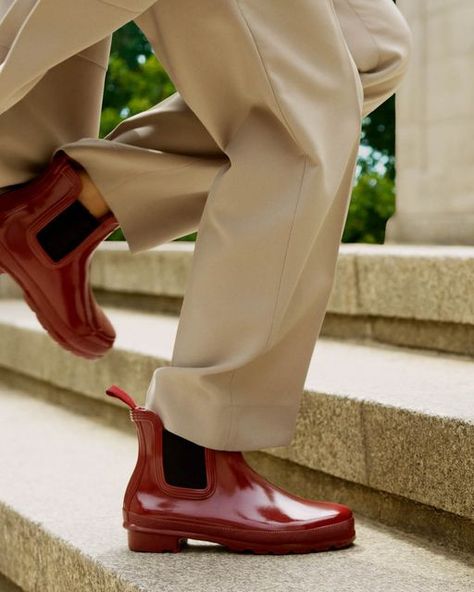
<point x="256" y="150"/>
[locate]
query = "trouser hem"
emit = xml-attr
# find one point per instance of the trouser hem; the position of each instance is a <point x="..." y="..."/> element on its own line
<point x="222" y="426"/>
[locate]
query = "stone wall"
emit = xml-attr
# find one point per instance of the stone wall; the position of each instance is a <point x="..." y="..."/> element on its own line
<point x="435" y="127"/>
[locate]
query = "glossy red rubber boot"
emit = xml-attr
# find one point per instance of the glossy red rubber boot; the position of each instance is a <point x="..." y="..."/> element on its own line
<point x="57" y="291"/>
<point x="238" y="508"/>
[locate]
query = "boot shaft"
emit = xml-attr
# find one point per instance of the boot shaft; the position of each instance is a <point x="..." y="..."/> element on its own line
<point x="148" y="480"/>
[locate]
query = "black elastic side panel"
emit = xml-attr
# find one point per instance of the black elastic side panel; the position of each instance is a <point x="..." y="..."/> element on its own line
<point x="67" y="231"/>
<point x="184" y="462"/>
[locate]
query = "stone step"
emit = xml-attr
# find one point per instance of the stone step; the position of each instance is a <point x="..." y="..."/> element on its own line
<point x="407" y="295"/>
<point x="61" y="489"/>
<point x="384" y="420"/>
<point x="404" y="295"/>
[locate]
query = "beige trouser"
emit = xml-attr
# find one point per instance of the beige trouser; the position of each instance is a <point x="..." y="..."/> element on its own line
<point x="257" y="150"/>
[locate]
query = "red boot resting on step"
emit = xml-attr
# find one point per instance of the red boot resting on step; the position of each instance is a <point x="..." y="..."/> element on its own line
<point x="233" y="505"/>
<point x="46" y="240"/>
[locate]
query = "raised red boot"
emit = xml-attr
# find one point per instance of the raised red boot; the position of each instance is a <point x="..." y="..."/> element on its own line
<point x="236" y="507"/>
<point x="56" y="287"/>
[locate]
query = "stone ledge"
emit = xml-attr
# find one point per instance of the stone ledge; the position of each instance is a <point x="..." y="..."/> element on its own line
<point x="394" y="420"/>
<point x="427" y="283"/>
<point x="414" y="296"/>
<point x="60" y="532"/>
<point x="455" y="338"/>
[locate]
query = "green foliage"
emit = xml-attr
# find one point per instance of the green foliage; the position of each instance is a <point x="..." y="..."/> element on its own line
<point x="378" y="132"/>
<point x="372" y="204"/>
<point x="116" y="236"/>
<point x="373" y="197"/>
<point x="136" y="81"/>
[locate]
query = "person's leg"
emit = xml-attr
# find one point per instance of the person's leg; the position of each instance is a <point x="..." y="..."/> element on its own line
<point x="42" y="200"/>
<point x="69" y="26"/>
<point x="262" y="110"/>
<point x="46" y="235"/>
<point x="259" y="285"/>
<point x="379" y="41"/>
<point x="63" y="106"/>
<point x="288" y="116"/>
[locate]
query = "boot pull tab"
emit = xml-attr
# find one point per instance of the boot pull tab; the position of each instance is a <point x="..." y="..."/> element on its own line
<point x="118" y="393"/>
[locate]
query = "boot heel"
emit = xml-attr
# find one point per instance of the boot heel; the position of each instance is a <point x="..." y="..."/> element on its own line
<point x="150" y="542"/>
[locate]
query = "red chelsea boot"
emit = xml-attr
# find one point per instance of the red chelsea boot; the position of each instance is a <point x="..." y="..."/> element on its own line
<point x="236" y="508"/>
<point x="57" y="290"/>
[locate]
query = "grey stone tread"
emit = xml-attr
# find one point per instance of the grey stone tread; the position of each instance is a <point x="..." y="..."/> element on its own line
<point x="428" y="283"/>
<point x="62" y="478"/>
<point x="405" y="282"/>
<point x="430" y="383"/>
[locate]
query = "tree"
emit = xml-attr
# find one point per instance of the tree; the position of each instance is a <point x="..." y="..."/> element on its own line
<point x="135" y="80"/>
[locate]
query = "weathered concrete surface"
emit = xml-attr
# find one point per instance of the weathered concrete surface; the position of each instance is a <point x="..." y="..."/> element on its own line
<point x="61" y="488"/>
<point x="410" y="282"/>
<point x="388" y="509"/>
<point x="412" y="296"/>
<point x="406" y="295"/>
<point x="401" y="421"/>
<point x="455" y="338"/>
<point x="423" y="283"/>
<point x="160" y="271"/>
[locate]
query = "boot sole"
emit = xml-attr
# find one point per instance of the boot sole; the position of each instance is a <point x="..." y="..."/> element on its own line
<point x="334" y="536"/>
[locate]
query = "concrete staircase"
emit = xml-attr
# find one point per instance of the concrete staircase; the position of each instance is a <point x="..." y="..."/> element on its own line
<point x="384" y="428"/>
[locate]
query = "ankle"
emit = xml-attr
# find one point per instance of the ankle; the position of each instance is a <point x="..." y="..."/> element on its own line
<point x="90" y="197"/>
